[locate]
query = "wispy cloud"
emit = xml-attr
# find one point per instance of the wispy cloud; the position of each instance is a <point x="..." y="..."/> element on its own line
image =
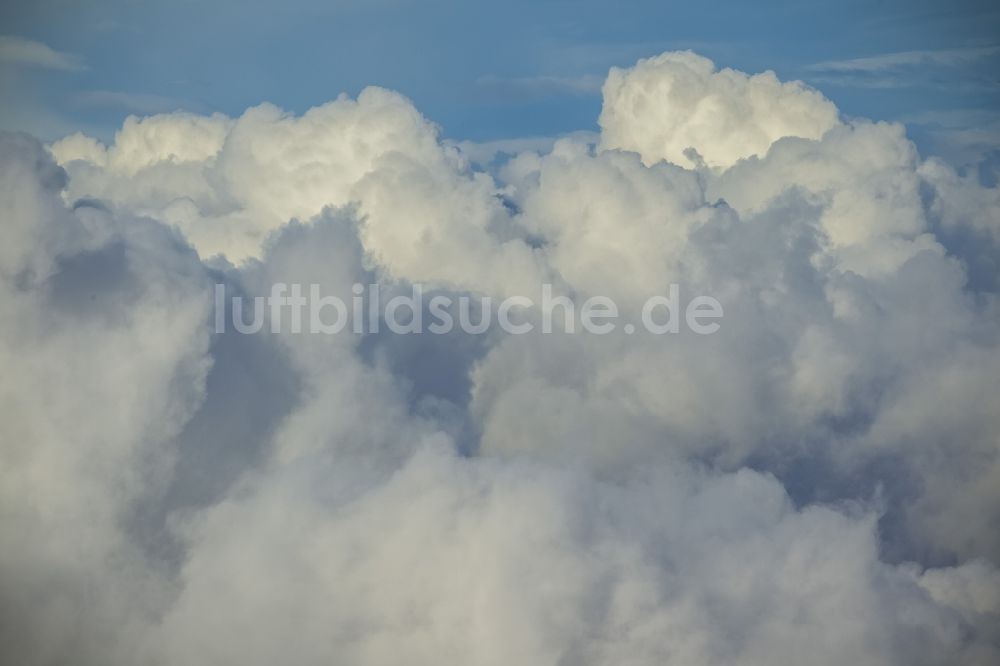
<point x="29" y="53"/>
<point x="133" y="102"/>
<point x="537" y="87"/>
<point x="962" y="136"/>
<point x="962" y="70"/>
<point x="901" y="59"/>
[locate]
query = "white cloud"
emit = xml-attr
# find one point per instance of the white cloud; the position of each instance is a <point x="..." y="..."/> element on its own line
<point x="821" y="476"/>
<point x="672" y="104"/>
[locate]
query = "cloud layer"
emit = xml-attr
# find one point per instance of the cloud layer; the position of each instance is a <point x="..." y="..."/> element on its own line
<point x="820" y="477"/>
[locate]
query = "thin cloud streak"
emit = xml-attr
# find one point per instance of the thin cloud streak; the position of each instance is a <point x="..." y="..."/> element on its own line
<point x="891" y="61"/>
<point x="140" y="103"/>
<point x="29" y="53"/>
<point x="538" y="87"/>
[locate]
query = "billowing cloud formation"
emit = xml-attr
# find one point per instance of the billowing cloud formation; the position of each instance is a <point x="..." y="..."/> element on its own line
<point x="228" y="184"/>
<point x="677" y="107"/>
<point x="821" y="476"/>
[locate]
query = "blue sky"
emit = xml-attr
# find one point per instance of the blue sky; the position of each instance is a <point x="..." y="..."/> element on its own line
<point x="488" y="71"/>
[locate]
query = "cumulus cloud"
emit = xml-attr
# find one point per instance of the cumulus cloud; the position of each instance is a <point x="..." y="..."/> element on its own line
<point x="677" y="107"/>
<point x="820" y="476"/>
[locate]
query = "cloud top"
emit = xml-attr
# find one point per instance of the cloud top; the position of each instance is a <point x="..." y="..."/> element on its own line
<point x="678" y="107"/>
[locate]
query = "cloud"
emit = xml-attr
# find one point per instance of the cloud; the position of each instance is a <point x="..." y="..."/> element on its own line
<point x="821" y="475"/>
<point x="674" y="103"/>
<point x="487" y="152"/>
<point x="958" y="71"/>
<point x="204" y="174"/>
<point x="23" y="52"/>
<point x="961" y="136"/>
<point x="890" y="61"/>
<point x="540" y="87"/>
<point x="132" y="102"/>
